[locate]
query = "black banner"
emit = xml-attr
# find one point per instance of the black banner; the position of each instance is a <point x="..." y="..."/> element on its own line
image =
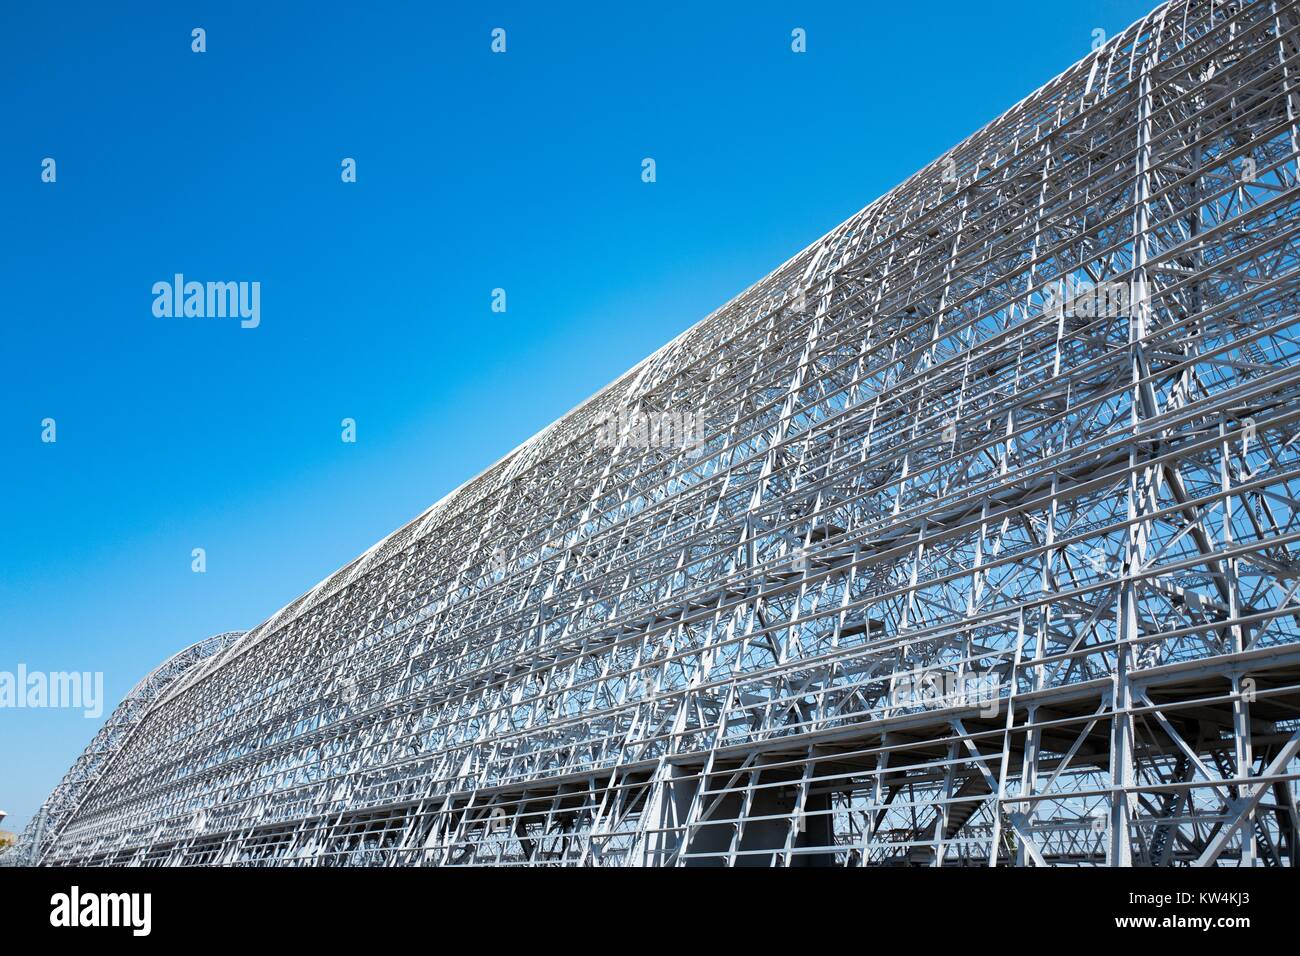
<point x="138" y="906"/>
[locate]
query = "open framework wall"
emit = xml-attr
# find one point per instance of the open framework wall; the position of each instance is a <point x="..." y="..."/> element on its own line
<point x="987" y="551"/>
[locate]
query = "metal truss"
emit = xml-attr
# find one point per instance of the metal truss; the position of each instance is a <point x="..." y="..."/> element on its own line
<point x="969" y="568"/>
<point x="64" y="801"/>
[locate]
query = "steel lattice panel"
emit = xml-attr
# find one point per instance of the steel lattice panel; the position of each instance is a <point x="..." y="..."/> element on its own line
<point x="928" y="462"/>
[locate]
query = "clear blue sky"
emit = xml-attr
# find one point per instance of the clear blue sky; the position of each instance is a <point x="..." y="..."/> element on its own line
<point x="475" y="171"/>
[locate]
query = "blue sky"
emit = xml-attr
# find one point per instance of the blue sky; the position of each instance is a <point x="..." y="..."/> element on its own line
<point x="475" y="171"/>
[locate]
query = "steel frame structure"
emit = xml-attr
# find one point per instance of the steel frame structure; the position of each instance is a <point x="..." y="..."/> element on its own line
<point x="917" y="470"/>
<point x="66" y="798"/>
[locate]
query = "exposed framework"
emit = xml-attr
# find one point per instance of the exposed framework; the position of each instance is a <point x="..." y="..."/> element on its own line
<point x="924" y="464"/>
<point x="62" y="803"/>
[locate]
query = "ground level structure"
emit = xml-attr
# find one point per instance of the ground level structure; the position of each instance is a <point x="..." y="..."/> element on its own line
<point x="968" y="536"/>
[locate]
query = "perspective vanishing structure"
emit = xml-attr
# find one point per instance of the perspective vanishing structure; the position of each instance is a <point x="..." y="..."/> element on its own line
<point x="984" y="551"/>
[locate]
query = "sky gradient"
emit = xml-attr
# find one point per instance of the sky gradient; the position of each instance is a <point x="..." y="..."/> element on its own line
<point x="475" y="171"/>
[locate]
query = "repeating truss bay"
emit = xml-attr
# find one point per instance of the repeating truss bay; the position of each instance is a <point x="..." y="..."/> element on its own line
<point x="981" y="548"/>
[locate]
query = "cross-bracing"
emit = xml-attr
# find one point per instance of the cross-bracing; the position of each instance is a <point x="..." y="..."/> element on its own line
<point x="986" y="553"/>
